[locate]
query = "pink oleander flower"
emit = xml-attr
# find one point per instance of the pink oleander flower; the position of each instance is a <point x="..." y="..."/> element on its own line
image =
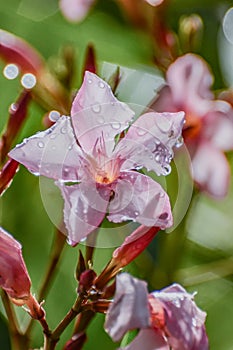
<point x="167" y="319"/>
<point x="208" y="131"/>
<point x="77" y="10"/>
<point x="14" y="278"/>
<point x="90" y="150"/>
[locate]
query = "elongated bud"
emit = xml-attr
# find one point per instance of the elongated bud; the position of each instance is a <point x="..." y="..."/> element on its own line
<point x="86" y="281"/>
<point x="190" y="32"/>
<point x="14" y="278"/>
<point x="81" y="266"/>
<point x="90" y="61"/>
<point x="76" y="342"/>
<point x="114" y="79"/>
<point x="7" y="173"/>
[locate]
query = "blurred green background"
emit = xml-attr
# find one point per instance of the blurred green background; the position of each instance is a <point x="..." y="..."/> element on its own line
<point x="206" y="262"/>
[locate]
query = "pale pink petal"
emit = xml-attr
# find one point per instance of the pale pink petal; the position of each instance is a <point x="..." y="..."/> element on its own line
<point x="139" y="198"/>
<point x="147" y="339"/>
<point x="164" y="101"/>
<point x="84" y="209"/>
<point x="97" y="113"/>
<point x="129" y="309"/>
<point x="154" y="2"/>
<point x="184" y="321"/>
<point x="149" y="141"/>
<point x="218" y="126"/>
<point x="75" y="10"/>
<point x="211" y="170"/>
<point x="53" y="153"/>
<point x="14" y="278"/>
<point x="189" y="80"/>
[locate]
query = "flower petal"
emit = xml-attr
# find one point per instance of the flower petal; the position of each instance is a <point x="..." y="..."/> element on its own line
<point x="129" y="309"/>
<point x="14" y="278"/>
<point x="97" y="113"/>
<point x="84" y="209"/>
<point x="53" y="153"/>
<point x="189" y="79"/>
<point x="147" y="339"/>
<point x="149" y="141"/>
<point x="211" y="170"/>
<point x="154" y="2"/>
<point x="75" y="10"/>
<point x="139" y="198"/>
<point x="184" y="320"/>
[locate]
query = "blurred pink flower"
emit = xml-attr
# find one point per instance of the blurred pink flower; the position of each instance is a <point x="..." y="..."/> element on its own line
<point x="14" y="278"/>
<point x="208" y="131"/>
<point x="77" y="10"/>
<point x="167" y="319"/>
<point x="84" y="149"/>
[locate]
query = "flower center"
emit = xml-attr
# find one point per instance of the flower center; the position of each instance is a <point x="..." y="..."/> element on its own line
<point x="192" y="127"/>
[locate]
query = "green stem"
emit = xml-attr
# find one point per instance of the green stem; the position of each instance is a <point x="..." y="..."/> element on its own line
<point x="19" y="341"/>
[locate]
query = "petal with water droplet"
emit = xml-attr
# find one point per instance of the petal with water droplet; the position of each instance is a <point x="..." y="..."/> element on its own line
<point x="149" y="141"/>
<point x="84" y="209"/>
<point x="48" y="152"/>
<point x="91" y="100"/>
<point x="138" y="198"/>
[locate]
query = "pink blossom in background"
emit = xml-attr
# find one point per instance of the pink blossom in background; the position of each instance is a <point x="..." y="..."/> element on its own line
<point x="14" y="278"/>
<point x="167" y="319"/>
<point x="77" y="10"/>
<point x="83" y="149"/>
<point x="208" y="131"/>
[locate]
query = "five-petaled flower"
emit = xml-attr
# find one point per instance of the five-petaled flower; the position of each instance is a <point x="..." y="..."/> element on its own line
<point x="89" y="150"/>
<point x="208" y="131"/>
<point x="167" y="319"/>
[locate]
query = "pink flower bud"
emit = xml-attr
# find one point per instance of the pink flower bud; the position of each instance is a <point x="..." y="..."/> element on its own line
<point x="14" y="278"/>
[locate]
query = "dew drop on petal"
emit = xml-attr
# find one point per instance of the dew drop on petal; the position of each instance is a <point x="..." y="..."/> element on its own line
<point x="54" y="116"/>
<point x="115" y="125"/>
<point x="11" y="71"/>
<point x="40" y="144"/>
<point x="194" y="322"/>
<point x="176" y="302"/>
<point x="63" y="130"/>
<point x="157" y="157"/>
<point x="70" y="147"/>
<point x="179" y="142"/>
<point x="13" y="108"/>
<point x="96" y="108"/>
<point x="101" y="85"/>
<point x="136" y="213"/>
<point x="53" y="136"/>
<point x="28" y="80"/>
<point x="167" y="169"/>
<point x="90" y="81"/>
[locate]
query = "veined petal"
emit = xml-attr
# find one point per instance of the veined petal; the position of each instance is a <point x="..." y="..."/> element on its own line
<point x="97" y="113"/>
<point x="184" y="321"/>
<point x="211" y="170"/>
<point x="149" y="141"/>
<point x="75" y="10"/>
<point x="139" y="198"/>
<point x="53" y="153"/>
<point x="147" y="339"/>
<point x="189" y="80"/>
<point x="84" y="209"/>
<point x="129" y="309"/>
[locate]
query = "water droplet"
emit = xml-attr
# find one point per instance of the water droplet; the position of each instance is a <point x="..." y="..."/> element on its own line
<point x="85" y="210"/>
<point x="179" y="142"/>
<point x="163" y="216"/>
<point x="194" y="322"/>
<point x="70" y="147"/>
<point x="11" y="71"/>
<point x="101" y="85"/>
<point x="115" y="125"/>
<point x="157" y="157"/>
<point x="40" y="144"/>
<point x="167" y="169"/>
<point x="54" y="116"/>
<point x="176" y="302"/>
<point x="136" y="213"/>
<point x="28" y="80"/>
<point x="89" y="81"/>
<point x="100" y="120"/>
<point x="141" y="132"/>
<point x="13" y="107"/>
<point x="66" y="172"/>
<point x="53" y="136"/>
<point x="96" y="108"/>
<point x="63" y="130"/>
<point x="162" y="195"/>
